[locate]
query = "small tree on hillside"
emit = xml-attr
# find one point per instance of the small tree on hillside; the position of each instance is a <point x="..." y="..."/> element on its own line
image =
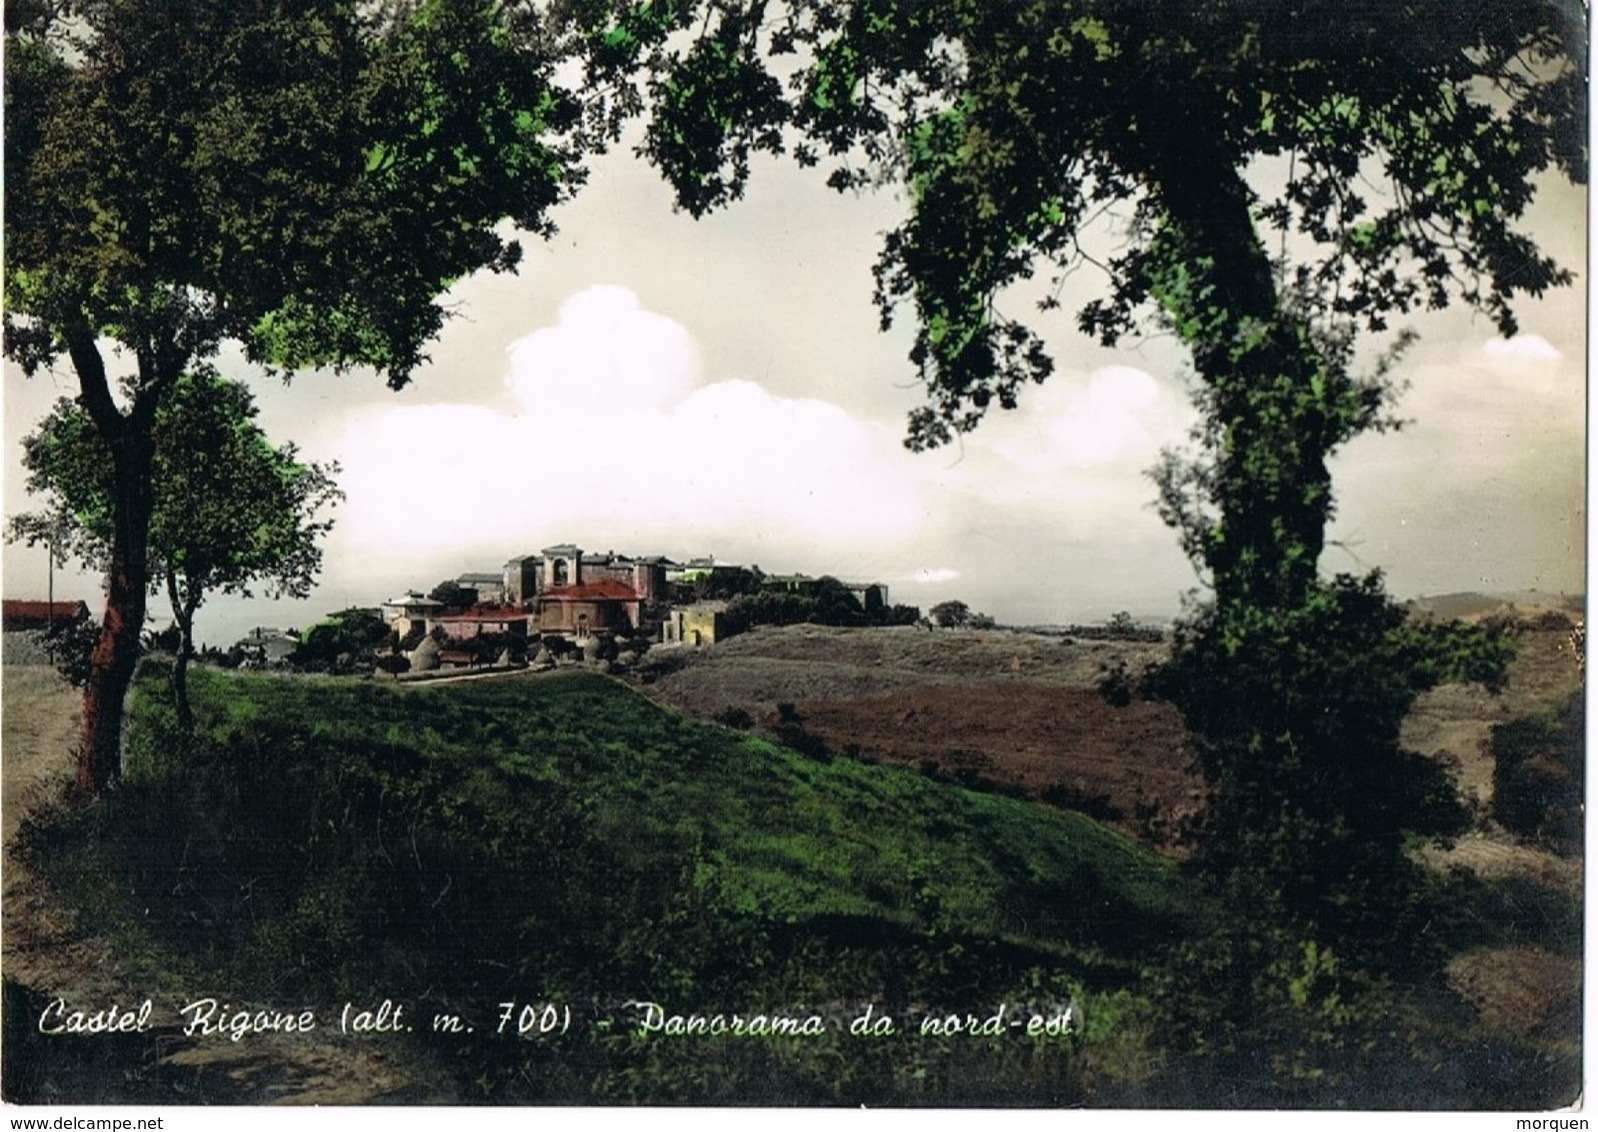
<point x="347" y="638"/>
<point x="230" y="512"/>
<point x="951" y="614"/>
<point x="836" y="603"/>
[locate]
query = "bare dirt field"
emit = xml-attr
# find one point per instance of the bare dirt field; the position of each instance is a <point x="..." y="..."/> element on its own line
<point x="1020" y="713"/>
<point x="991" y="709"/>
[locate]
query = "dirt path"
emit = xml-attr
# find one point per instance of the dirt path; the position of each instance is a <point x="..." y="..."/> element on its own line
<point x="39" y="720"/>
<point x="47" y="953"/>
<point x="40" y="714"/>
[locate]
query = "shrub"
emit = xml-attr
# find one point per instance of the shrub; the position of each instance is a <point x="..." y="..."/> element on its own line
<point x="1315" y="798"/>
<point x="1538" y="778"/>
<point x="393" y="664"/>
<point x="72" y="643"/>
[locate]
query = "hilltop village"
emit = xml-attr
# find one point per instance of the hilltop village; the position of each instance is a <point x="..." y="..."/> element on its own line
<point x="567" y="604"/>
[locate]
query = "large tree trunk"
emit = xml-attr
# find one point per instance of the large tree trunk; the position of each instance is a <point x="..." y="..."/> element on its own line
<point x="117" y="651"/>
<point x="131" y="440"/>
<point x="1261" y="366"/>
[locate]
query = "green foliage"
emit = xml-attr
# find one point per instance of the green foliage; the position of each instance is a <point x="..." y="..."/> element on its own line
<point x="823" y="601"/>
<point x="767" y="608"/>
<point x="341" y="641"/>
<point x="392" y="663"/>
<point x="230" y="510"/>
<point x="720" y="583"/>
<point x="1539" y="775"/>
<point x="1314" y="801"/>
<point x="71" y="642"/>
<point x="717" y="104"/>
<point x="950" y="614"/>
<point x="453" y="595"/>
<point x="171" y="203"/>
<point x="836" y="604"/>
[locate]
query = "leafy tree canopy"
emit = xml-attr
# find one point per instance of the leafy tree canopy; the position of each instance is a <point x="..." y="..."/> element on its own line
<point x="951" y="614"/>
<point x="1409" y="136"/>
<point x="454" y="595"/>
<point x="293" y="177"/>
<point x="232" y="511"/>
<point x="304" y="178"/>
<point x="345" y="638"/>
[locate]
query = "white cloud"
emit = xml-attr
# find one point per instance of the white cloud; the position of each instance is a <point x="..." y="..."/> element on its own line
<point x="1523" y="347"/>
<point x="1071" y="460"/>
<point x="1484" y="482"/>
<point x="1118" y="417"/>
<point x="936" y="576"/>
<point x="614" y="441"/>
<point x="606" y="352"/>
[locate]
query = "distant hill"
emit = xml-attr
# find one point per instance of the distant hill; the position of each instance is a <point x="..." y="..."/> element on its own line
<point x="1470" y="603"/>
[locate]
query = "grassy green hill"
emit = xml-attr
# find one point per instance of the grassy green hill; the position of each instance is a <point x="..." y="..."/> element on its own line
<point x="560" y="839"/>
<point x="564" y="839"/>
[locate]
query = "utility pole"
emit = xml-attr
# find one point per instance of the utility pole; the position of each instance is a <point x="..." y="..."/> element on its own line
<point x="49" y="605"/>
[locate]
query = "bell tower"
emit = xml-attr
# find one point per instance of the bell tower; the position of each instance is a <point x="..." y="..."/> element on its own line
<point x="563" y="566"/>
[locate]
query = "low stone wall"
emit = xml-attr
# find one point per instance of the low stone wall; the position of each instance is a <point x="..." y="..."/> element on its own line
<point x="23" y="646"/>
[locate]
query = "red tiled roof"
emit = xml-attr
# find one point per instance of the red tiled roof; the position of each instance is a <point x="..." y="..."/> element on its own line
<point x="485" y="614"/>
<point x="603" y="590"/>
<point x="23" y="610"/>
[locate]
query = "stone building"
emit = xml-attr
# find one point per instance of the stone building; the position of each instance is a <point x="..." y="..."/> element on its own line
<point x="268" y="646"/>
<point x="578" y="595"/>
<point x="410" y="612"/>
<point x="490" y="588"/>
<point x="645" y="576"/>
<point x="521" y="579"/>
<point x="703" y="623"/>
<point x="588" y="609"/>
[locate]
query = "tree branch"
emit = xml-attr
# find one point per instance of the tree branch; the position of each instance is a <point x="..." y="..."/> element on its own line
<point x="95" y="387"/>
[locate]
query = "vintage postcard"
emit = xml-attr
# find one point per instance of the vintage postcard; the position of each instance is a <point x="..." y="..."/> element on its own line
<point x="1003" y="555"/>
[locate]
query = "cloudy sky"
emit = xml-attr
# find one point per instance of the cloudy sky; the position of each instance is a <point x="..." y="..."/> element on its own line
<point x="654" y="385"/>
